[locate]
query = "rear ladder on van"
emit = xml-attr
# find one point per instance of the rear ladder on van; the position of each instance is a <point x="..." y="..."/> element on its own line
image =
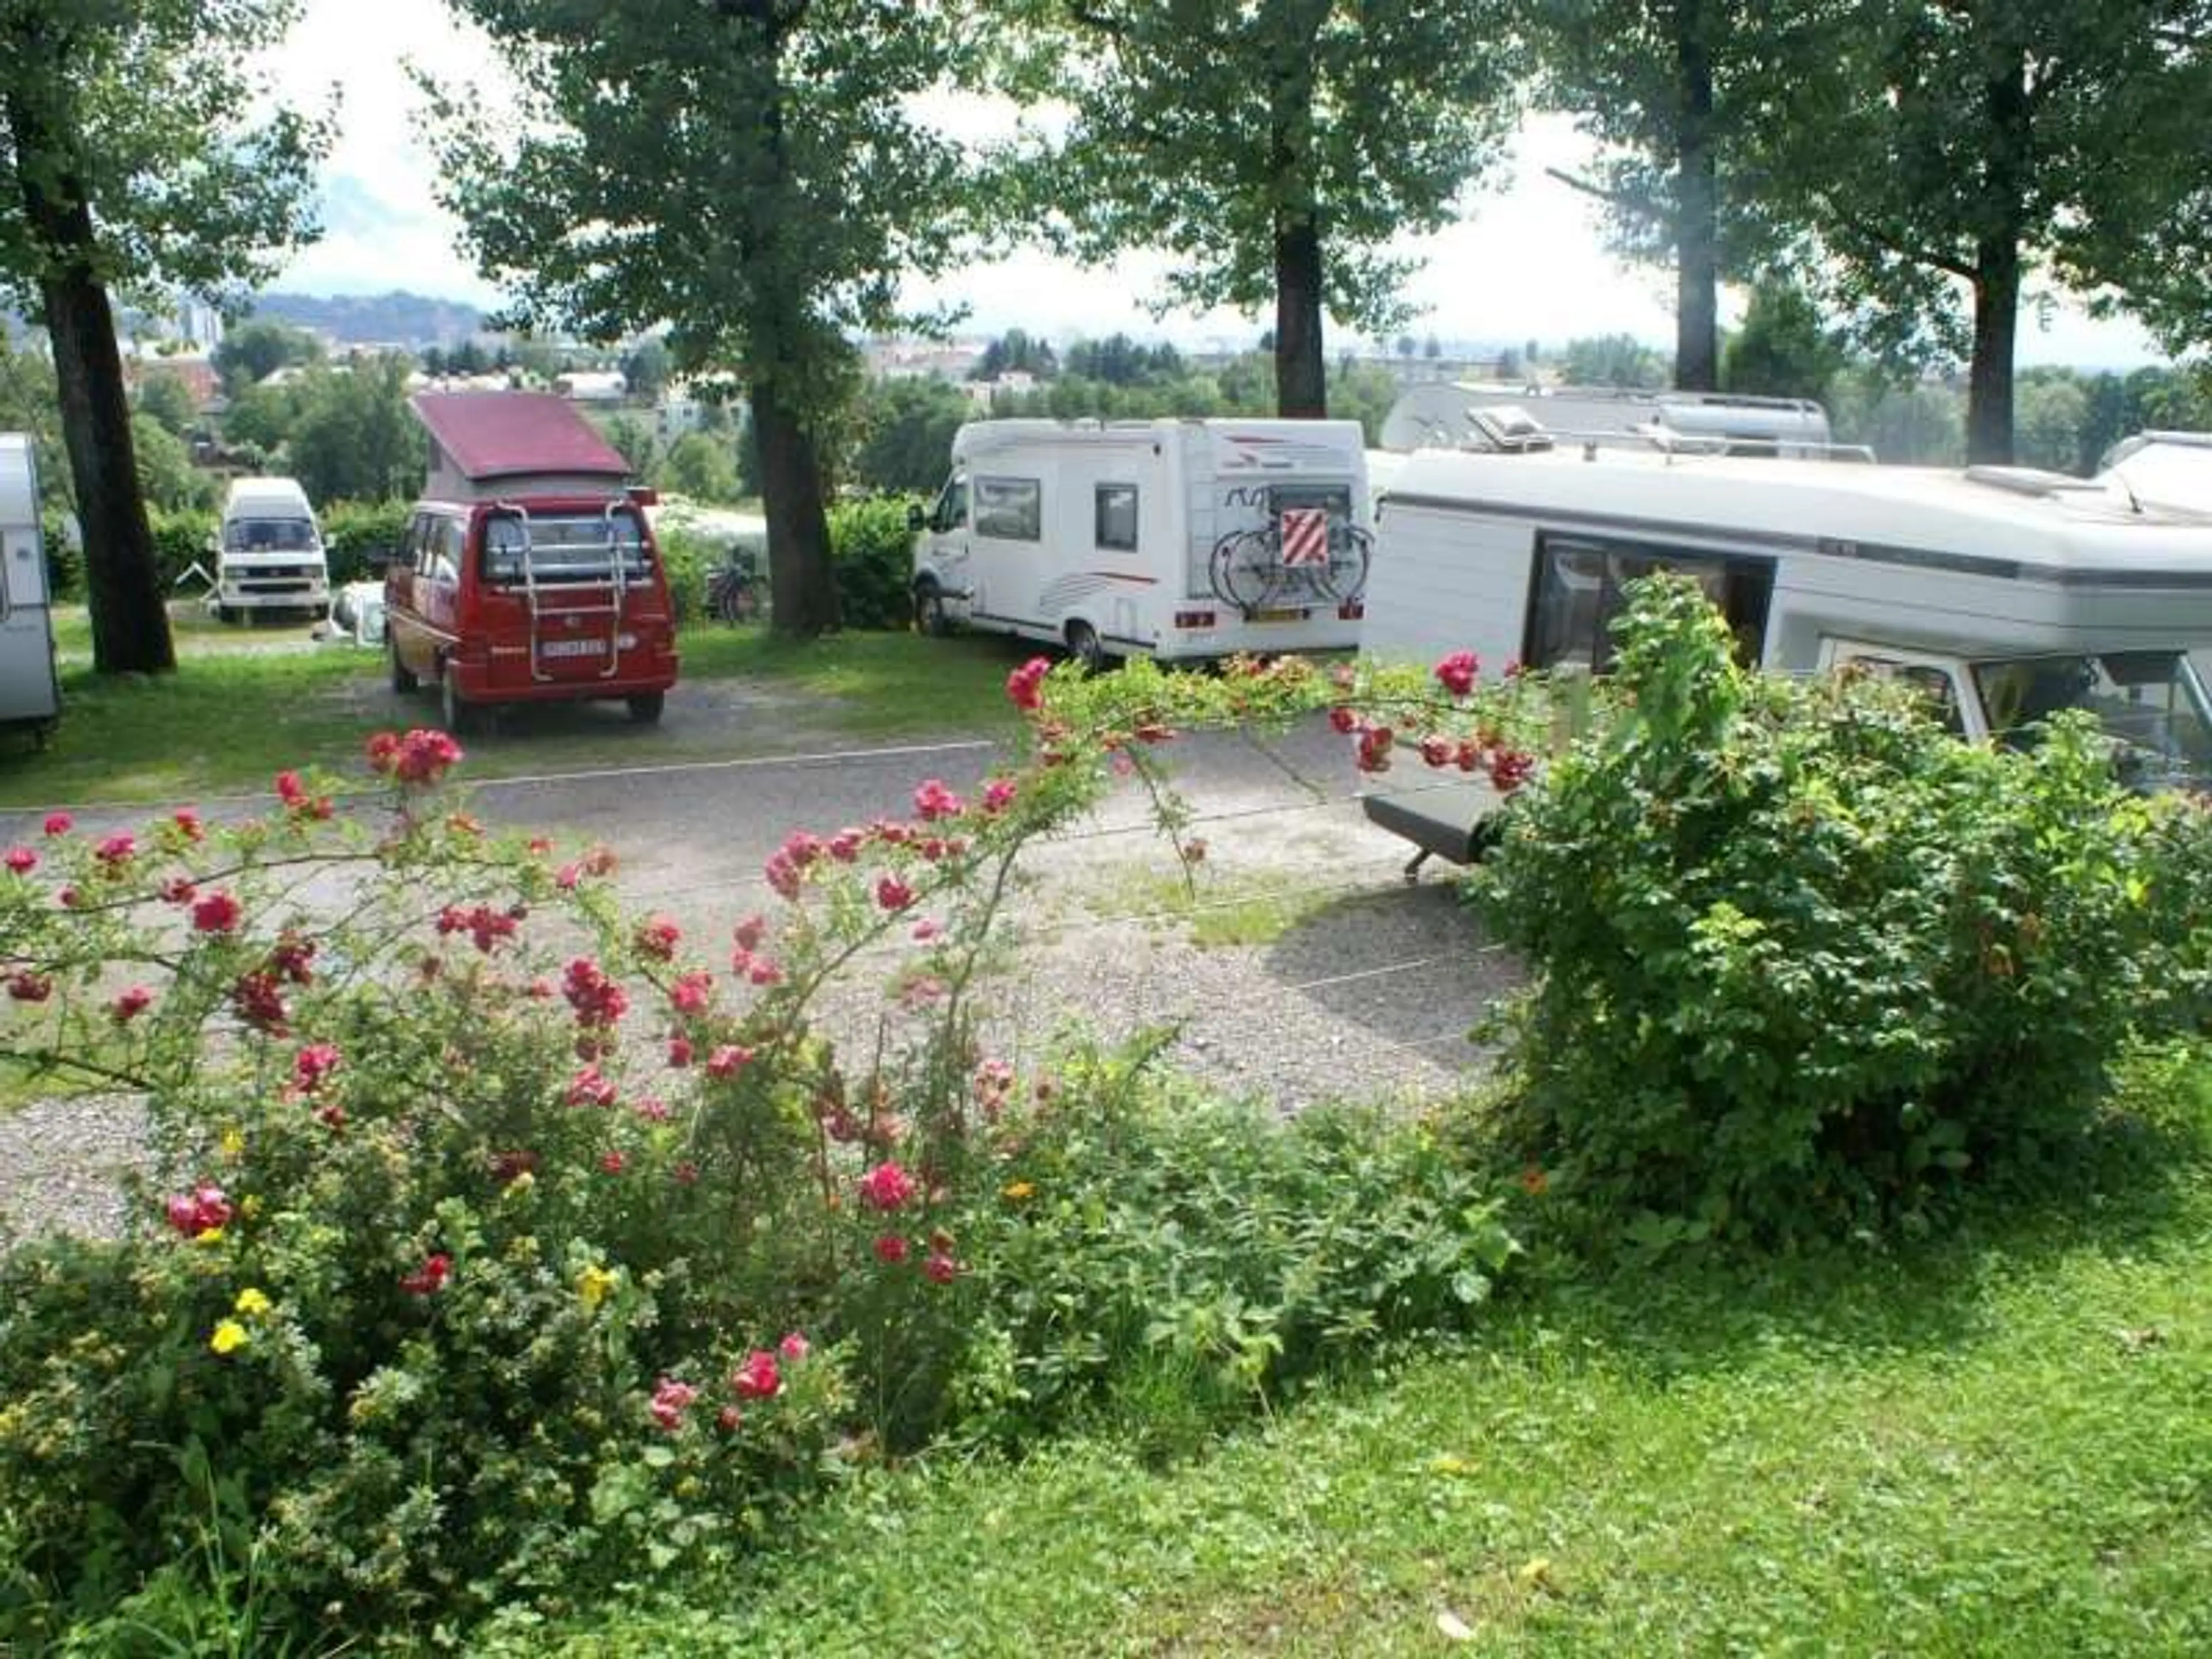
<point x="614" y="612"/>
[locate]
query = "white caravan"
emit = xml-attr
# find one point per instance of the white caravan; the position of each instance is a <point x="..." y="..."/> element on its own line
<point x="268" y="551"/>
<point x="2006" y="593"/>
<point x="1175" y="539"/>
<point x="1464" y="415"/>
<point x="30" y="695"/>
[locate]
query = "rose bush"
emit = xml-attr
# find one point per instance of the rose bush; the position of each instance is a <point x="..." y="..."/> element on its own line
<point x="500" y="1249"/>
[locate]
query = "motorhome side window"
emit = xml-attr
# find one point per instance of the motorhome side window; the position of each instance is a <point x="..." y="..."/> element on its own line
<point x="1579" y="591"/>
<point x="1115" y="518"/>
<point x="1009" y="509"/>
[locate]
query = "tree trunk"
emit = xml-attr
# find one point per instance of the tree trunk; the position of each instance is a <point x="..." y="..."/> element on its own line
<point x="1989" y="384"/>
<point x="1301" y="371"/>
<point x="802" y="585"/>
<point x="1996" y="266"/>
<point x="123" y="585"/>
<point x="1697" y="231"/>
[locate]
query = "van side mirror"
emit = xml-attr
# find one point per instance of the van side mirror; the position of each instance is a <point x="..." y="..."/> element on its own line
<point x="915" y="518"/>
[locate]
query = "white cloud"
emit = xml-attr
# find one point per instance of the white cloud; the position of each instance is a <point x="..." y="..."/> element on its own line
<point x="1526" y="260"/>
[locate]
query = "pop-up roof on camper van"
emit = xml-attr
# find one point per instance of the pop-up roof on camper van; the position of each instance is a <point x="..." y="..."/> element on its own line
<point x="488" y="444"/>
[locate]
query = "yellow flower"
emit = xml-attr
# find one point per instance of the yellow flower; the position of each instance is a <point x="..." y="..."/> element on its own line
<point x="1018" y="1189"/>
<point x="229" y="1336"/>
<point x="249" y="1206"/>
<point x="234" y="1143"/>
<point x="593" y="1284"/>
<point x="519" y="1187"/>
<point x="251" y="1302"/>
<point x="208" y="1236"/>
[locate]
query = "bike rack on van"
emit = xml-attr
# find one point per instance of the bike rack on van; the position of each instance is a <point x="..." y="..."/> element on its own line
<point x="618" y="577"/>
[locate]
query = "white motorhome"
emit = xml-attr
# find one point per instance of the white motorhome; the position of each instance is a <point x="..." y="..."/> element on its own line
<point x="30" y="694"/>
<point x="1175" y="539"/>
<point x="2163" y="469"/>
<point x="2006" y="593"/>
<point x="268" y="551"/>
<point x="1466" y="415"/>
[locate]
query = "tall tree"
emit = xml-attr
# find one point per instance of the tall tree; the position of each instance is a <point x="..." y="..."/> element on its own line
<point x="1275" y="148"/>
<point x="258" y="346"/>
<point x="1669" y="87"/>
<point x="123" y="161"/>
<point x="1939" y="152"/>
<point x="750" y="173"/>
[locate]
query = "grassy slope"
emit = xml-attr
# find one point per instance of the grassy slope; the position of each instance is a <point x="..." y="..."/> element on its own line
<point x="2002" y="1444"/>
<point x="233" y="715"/>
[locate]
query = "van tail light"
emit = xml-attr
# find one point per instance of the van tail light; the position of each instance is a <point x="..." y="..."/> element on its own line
<point x="1194" y="619"/>
<point x="1351" y="610"/>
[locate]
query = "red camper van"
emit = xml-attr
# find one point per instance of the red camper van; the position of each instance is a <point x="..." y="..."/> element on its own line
<point x="529" y="572"/>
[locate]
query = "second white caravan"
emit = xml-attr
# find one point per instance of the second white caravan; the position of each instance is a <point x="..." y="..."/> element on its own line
<point x="1175" y="539"/>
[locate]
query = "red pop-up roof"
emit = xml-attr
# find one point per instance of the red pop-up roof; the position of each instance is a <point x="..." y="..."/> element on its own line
<point x="484" y="435"/>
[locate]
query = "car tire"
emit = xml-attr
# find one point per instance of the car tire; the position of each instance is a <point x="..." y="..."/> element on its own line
<point x="930" y="616"/>
<point x="458" y="715"/>
<point x="645" y="706"/>
<point x="1083" y="644"/>
<point x="402" y="677"/>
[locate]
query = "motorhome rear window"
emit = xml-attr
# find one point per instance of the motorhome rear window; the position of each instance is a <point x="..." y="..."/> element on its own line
<point x="1009" y="509"/>
<point x="1335" y="500"/>
<point x="1577" y="592"/>
<point x="582" y="547"/>
<point x="1115" y="518"/>
<point x="269" y="536"/>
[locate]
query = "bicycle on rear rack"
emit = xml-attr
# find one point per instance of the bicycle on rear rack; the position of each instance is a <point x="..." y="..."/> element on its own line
<point x="734" y="589"/>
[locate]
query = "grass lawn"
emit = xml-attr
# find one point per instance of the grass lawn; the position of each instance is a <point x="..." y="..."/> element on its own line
<point x="2000" y="1444"/>
<point x="243" y="704"/>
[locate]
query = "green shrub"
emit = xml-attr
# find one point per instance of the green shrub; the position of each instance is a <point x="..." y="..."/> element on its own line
<point x="64" y="563"/>
<point x="1171" y="1259"/>
<point x="354" y="530"/>
<point x="872" y="550"/>
<point x="1802" y="958"/>
<point x="180" y="541"/>
<point x="688" y="561"/>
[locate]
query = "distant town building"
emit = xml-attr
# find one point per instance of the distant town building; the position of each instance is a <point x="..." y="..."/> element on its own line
<point x="592" y="386"/>
<point x="915" y="360"/>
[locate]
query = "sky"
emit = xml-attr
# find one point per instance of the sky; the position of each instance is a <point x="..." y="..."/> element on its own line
<point x="1525" y="262"/>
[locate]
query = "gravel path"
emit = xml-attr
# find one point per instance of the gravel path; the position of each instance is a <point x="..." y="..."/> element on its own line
<point x="1336" y="980"/>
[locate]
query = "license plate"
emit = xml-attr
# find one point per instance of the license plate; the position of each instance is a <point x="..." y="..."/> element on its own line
<point x="572" y="648"/>
<point x="1277" y="616"/>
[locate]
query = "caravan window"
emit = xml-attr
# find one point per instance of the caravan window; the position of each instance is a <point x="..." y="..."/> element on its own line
<point x="1578" y="592"/>
<point x="1115" y="518"/>
<point x="1010" y="509"/>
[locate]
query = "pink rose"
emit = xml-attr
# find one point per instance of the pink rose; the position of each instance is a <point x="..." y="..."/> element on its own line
<point x="22" y="861"/>
<point x="886" y="1186"/>
<point x="890" y="1248"/>
<point x="59" y="823"/>
<point x="218" y="913"/>
<point x="758" y="1377"/>
<point x="794" y="1347"/>
<point x="1456" y="672"/>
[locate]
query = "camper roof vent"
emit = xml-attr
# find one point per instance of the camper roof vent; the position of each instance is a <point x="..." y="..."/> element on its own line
<point x="2030" y="481"/>
<point x="1510" y="428"/>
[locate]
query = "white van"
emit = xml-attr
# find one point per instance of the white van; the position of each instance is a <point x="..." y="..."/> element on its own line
<point x="2005" y="594"/>
<point x="268" y="551"/>
<point x="1176" y="539"/>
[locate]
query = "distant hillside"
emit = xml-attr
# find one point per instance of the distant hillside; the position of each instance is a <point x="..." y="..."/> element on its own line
<point x="394" y="318"/>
